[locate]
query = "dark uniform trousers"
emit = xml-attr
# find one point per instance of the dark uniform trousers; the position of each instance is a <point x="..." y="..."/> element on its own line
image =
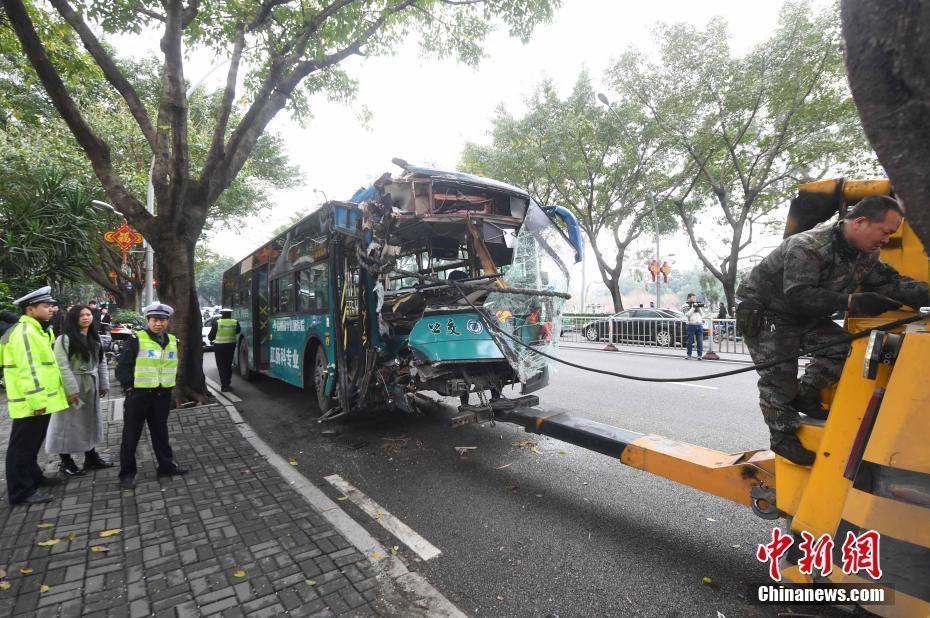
<point x="143" y="408"/>
<point x="23" y="475"/>
<point x="779" y="385"/>
<point x="223" y="353"/>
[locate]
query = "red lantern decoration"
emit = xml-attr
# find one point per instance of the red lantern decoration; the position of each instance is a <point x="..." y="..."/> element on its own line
<point x="665" y="270"/>
<point x="654" y="269"/>
<point x="123" y="237"/>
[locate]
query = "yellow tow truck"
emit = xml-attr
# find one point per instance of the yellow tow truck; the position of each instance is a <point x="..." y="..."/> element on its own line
<point x="872" y="471"/>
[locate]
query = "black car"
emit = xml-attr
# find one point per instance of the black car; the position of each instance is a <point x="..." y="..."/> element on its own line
<point x="662" y="327"/>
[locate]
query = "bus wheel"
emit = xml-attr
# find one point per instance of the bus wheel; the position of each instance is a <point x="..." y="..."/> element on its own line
<point x="243" y="361"/>
<point x="324" y="401"/>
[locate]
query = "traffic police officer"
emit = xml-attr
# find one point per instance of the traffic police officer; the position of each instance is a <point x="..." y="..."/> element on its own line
<point x="147" y="367"/>
<point x="34" y="392"/>
<point x="787" y="301"/>
<point x="223" y="337"/>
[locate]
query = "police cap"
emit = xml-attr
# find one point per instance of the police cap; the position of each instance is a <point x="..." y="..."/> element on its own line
<point x="157" y="310"/>
<point x="42" y="295"/>
<point x="225" y="311"/>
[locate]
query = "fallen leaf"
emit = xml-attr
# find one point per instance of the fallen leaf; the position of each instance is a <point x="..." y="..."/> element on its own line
<point x="98" y="549"/>
<point x="239" y="573"/>
<point x="343" y="498"/>
<point x="536" y="450"/>
<point x="562" y="453"/>
<point x="4" y="585"/>
<point x="500" y="598"/>
<point x="69" y="537"/>
<point x="44" y="588"/>
<point x="48" y="543"/>
<point x="377" y="514"/>
<point x="292" y="461"/>
<point x="310" y="582"/>
<point x="394" y="550"/>
<point x="112" y="532"/>
<point x="709" y="582"/>
<point x="375" y="554"/>
<point x="735" y="546"/>
<point x="25" y="570"/>
<point x="45" y="526"/>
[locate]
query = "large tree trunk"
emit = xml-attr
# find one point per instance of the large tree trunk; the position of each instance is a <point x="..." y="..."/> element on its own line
<point x="175" y="255"/>
<point x="887" y="45"/>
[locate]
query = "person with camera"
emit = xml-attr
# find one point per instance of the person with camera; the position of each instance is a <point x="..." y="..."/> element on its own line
<point x="694" y="330"/>
<point x="787" y="300"/>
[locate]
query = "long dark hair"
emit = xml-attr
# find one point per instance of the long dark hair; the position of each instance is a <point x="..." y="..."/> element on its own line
<point x="78" y="345"/>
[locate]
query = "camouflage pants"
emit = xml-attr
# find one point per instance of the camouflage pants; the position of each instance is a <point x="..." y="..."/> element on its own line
<point x="779" y="385"/>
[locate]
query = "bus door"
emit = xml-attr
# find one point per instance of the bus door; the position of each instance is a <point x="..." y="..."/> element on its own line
<point x="262" y="336"/>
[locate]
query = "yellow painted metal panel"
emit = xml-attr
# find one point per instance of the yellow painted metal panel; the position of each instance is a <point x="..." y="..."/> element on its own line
<point x="903" y="521"/>
<point x="900" y="438"/>
<point x="823" y="497"/>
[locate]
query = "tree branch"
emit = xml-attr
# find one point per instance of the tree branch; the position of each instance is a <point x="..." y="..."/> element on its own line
<point x="98" y="152"/>
<point x="110" y="71"/>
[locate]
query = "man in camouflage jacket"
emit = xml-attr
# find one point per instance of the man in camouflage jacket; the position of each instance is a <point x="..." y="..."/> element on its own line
<point x="788" y="298"/>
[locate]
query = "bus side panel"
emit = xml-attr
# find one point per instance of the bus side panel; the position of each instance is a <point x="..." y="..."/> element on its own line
<point x="289" y="336"/>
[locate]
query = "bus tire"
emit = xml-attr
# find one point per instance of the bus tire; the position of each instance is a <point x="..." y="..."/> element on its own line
<point x="320" y="364"/>
<point x="242" y="360"/>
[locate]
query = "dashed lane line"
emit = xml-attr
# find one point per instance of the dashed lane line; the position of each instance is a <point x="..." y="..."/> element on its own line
<point x="404" y="533"/>
<point x="387" y="565"/>
<point x="711" y="388"/>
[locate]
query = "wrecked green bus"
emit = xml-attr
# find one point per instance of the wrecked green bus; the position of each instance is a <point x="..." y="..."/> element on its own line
<point x="424" y="281"/>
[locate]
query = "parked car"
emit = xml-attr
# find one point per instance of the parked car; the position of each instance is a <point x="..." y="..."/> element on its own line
<point x="663" y="327"/>
<point x="205" y="331"/>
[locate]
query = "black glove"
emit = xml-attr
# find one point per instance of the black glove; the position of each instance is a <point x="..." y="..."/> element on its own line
<point x="870" y="303"/>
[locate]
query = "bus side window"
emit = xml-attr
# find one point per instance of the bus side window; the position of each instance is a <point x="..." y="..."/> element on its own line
<point x="312" y="290"/>
<point x="282" y="290"/>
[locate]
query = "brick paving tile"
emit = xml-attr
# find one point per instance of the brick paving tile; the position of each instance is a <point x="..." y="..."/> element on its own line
<point x="182" y="540"/>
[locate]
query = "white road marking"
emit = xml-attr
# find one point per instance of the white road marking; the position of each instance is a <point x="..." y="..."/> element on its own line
<point x="216" y="387"/>
<point x="386" y="564"/>
<point x="712" y="388"/>
<point x="399" y="529"/>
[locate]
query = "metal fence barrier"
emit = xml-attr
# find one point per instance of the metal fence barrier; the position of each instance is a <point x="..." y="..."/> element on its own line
<point x="719" y="335"/>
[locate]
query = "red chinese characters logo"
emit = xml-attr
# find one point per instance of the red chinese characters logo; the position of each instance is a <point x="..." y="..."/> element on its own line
<point x="859" y="553"/>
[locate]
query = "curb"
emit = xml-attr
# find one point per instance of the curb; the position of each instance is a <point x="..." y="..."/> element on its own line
<point x="386" y="565"/>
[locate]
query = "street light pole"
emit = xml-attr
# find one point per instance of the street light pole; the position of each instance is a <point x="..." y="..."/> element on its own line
<point x="650" y="198"/>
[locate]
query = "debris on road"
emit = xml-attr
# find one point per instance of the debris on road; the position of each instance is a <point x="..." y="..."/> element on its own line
<point x="463" y="450"/>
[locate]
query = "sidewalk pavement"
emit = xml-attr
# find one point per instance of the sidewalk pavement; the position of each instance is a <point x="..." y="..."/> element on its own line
<point x="231" y="538"/>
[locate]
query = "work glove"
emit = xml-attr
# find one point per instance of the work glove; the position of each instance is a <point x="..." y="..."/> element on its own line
<point x="870" y="303"/>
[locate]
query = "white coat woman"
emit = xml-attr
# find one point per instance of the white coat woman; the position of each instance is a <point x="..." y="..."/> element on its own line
<point x="84" y="374"/>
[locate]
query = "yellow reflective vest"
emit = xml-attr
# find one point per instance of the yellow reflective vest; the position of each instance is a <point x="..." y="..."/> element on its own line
<point x="225" y="331"/>
<point x="155" y="366"/>
<point x="33" y="380"/>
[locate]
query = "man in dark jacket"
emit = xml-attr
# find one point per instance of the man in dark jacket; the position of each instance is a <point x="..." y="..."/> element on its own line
<point x="788" y="298"/>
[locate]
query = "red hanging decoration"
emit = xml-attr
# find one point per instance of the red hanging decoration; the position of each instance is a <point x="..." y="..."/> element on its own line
<point x="124" y="237"/>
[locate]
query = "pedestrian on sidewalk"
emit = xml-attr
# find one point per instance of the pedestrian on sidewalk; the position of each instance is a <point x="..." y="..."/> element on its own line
<point x="147" y="369"/>
<point x="84" y="373"/>
<point x="34" y="392"/>
<point x="223" y="337"/>
<point x="695" y="327"/>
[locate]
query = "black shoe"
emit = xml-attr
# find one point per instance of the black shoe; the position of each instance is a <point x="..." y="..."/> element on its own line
<point x="175" y="471"/>
<point x="68" y="468"/>
<point x="39" y="496"/>
<point x="225" y="389"/>
<point x="789" y="446"/>
<point x="46" y="481"/>
<point x="808" y="403"/>
<point x="127" y="482"/>
<point x="93" y="461"/>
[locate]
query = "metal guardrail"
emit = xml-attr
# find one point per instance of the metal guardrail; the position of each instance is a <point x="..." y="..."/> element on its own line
<point x="719" y="335"/>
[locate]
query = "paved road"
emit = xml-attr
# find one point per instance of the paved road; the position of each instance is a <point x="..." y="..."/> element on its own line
<point x="558" y="532"/>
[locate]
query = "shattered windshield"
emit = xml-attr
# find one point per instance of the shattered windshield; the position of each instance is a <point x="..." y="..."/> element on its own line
<point x="540" y="257"/>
